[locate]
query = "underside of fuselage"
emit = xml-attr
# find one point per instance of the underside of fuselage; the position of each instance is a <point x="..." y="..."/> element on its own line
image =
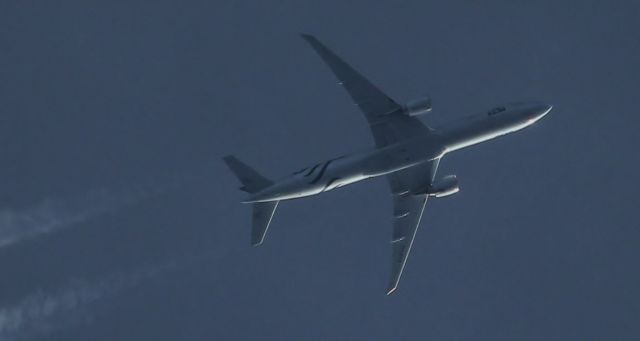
<point x="345" y="170"/>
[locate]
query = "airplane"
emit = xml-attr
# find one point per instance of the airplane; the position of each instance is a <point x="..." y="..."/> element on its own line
<point x="407" y="152"/>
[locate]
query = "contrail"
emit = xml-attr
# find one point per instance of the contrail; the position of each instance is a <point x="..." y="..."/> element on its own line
<point x="57" y="213"/>
<point x="41" y="312"/>
<point x="50" y="215"/>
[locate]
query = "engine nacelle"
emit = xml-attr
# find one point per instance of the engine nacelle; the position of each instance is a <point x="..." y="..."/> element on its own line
<point x="444" y="187"/>
<point x="418" y="106"/>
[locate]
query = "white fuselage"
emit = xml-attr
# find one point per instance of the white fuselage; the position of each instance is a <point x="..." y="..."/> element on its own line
<point x="348" y="169"/>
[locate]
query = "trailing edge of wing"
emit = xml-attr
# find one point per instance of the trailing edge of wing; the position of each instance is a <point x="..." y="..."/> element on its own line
<point x="405" y="227"/>
<point x="407" y="213"/>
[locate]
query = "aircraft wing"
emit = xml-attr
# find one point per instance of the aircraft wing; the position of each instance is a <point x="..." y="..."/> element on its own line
<point x="386" y="120"/>
<point x="407" y="212"/>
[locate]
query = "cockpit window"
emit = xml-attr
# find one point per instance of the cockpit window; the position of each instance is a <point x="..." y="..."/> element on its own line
<point x="496" y="110"/>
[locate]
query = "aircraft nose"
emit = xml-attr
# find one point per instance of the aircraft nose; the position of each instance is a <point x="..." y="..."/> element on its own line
<point x="539" y="110"/>
<point x="545" y="109"/>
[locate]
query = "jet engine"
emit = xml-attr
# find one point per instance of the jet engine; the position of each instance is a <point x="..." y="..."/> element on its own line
<point x="418" y="106"/>
<point x="444" y="187"/>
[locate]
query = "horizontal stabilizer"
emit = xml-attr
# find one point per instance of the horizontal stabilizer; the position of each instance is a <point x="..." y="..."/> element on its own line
<point x="252" y="181"/>
<point x="262" y="215"/>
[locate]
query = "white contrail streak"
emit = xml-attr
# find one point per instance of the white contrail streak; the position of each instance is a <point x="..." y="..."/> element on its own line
<point x="54" y="214"/>
<point x="41" y="312"/>
<point x="48" y="216"/>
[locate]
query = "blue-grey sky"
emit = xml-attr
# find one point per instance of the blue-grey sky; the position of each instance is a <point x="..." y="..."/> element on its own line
<point x="118" y="220"/>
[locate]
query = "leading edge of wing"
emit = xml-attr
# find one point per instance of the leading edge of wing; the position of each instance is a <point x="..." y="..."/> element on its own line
<point x="371" y="100"/>
<point x="386" y="121"/>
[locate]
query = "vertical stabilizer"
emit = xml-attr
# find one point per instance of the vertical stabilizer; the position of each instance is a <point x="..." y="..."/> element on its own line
<point x="252" y="181"/>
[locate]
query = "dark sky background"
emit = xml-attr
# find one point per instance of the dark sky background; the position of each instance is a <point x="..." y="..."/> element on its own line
<point x="118" y="220"/>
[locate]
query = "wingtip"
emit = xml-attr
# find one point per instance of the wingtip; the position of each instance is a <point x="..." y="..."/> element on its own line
<point x="256" y="240"/>
<point x="308" y="37"/>
<point x="228" y="159"/>
<point x="391" y="290"/>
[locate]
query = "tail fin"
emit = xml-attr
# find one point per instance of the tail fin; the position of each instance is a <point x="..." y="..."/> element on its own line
<point x="252" y="181"/>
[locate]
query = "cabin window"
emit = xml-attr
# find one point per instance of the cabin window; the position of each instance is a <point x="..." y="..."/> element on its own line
<point x="496" y="110"/>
